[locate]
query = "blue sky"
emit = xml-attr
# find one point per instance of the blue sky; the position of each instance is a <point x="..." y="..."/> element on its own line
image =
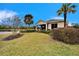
<point x="42" y="11"/>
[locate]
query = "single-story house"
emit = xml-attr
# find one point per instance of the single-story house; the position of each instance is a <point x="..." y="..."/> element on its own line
<point x="51" y="24"/>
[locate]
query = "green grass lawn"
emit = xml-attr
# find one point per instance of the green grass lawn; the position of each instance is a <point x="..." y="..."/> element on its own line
<point x="36" y="44"/>
<point x="3" y="35"/>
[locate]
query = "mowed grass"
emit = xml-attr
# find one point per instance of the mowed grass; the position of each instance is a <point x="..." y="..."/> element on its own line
<point x="37" y="44"/>
<point x="2" y="43"/>
<point x="3" y="35"/>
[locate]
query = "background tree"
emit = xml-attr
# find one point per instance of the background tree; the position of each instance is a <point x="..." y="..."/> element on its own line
<point x="15" y="23"/>
<point x="75" y="25"/>
<point x="28" y="19"/>
<point x="30" y="22"/>
<point x="65" y="9"/>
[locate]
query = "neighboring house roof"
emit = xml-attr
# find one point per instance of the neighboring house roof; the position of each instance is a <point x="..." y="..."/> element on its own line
<point x="41" y="22"/>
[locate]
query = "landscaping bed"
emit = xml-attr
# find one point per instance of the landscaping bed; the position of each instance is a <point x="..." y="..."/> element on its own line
<point x="11" y="37"/>
<point x="67" y="35"/>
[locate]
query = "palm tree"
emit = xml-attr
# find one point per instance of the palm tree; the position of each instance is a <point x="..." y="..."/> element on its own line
<point x="30" y="22"/>
<point x="28" y="19"/>
<point x="65" y="9"/>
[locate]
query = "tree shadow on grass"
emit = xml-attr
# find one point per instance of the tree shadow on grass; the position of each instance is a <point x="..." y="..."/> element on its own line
<point x="11" y="37"/>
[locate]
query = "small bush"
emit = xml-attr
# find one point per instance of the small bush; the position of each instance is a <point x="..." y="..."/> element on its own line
<point x="75" y="25"/>
<point x="28" y="31"/>
<point x="67" y="35"/>
<point x="44" y="31"/>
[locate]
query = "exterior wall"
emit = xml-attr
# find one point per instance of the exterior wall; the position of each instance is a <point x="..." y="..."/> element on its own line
<point x="49" y="26"/>
<point x="46" y="27"/>
<point x="60" y="25"/>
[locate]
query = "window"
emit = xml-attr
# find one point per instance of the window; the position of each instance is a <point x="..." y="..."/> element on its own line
<point x="53" y="26"/>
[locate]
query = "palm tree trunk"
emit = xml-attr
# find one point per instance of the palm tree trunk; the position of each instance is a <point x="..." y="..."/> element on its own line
<point x="65" y="18"/>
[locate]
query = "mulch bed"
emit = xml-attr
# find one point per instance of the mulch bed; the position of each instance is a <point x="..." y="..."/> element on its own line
<point x="11" y="37"/>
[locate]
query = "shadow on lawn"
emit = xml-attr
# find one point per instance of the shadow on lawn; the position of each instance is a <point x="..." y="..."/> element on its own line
<point x="11" y="37"/>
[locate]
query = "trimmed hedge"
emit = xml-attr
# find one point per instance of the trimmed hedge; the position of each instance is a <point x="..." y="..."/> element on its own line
<point x="67" y="35"/>
<point x="28" y="31"/>
<point x="44" y="31"/>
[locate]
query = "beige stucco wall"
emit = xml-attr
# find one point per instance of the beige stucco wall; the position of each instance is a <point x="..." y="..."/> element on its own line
<point x="60" y="25"/>
<point x="49" y="26"/>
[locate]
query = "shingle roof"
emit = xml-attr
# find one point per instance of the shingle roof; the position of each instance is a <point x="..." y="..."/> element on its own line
<point x="52" y="21"/>
<point x="55" y="20"/>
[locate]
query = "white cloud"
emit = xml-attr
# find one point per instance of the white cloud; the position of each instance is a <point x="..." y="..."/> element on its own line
<point x="4" y="14"/>
<point x="69" y="24"/>
<point x="7" y="14"/>
<point x="57" y="18"/>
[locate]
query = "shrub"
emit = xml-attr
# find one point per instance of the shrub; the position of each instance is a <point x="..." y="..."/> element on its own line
<point x="28" y="31"/>
<point x="75" y="25"/>
<point x="31" y="31"/>
<point x="44" y="31"/>
<point x="67" y="35"/>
